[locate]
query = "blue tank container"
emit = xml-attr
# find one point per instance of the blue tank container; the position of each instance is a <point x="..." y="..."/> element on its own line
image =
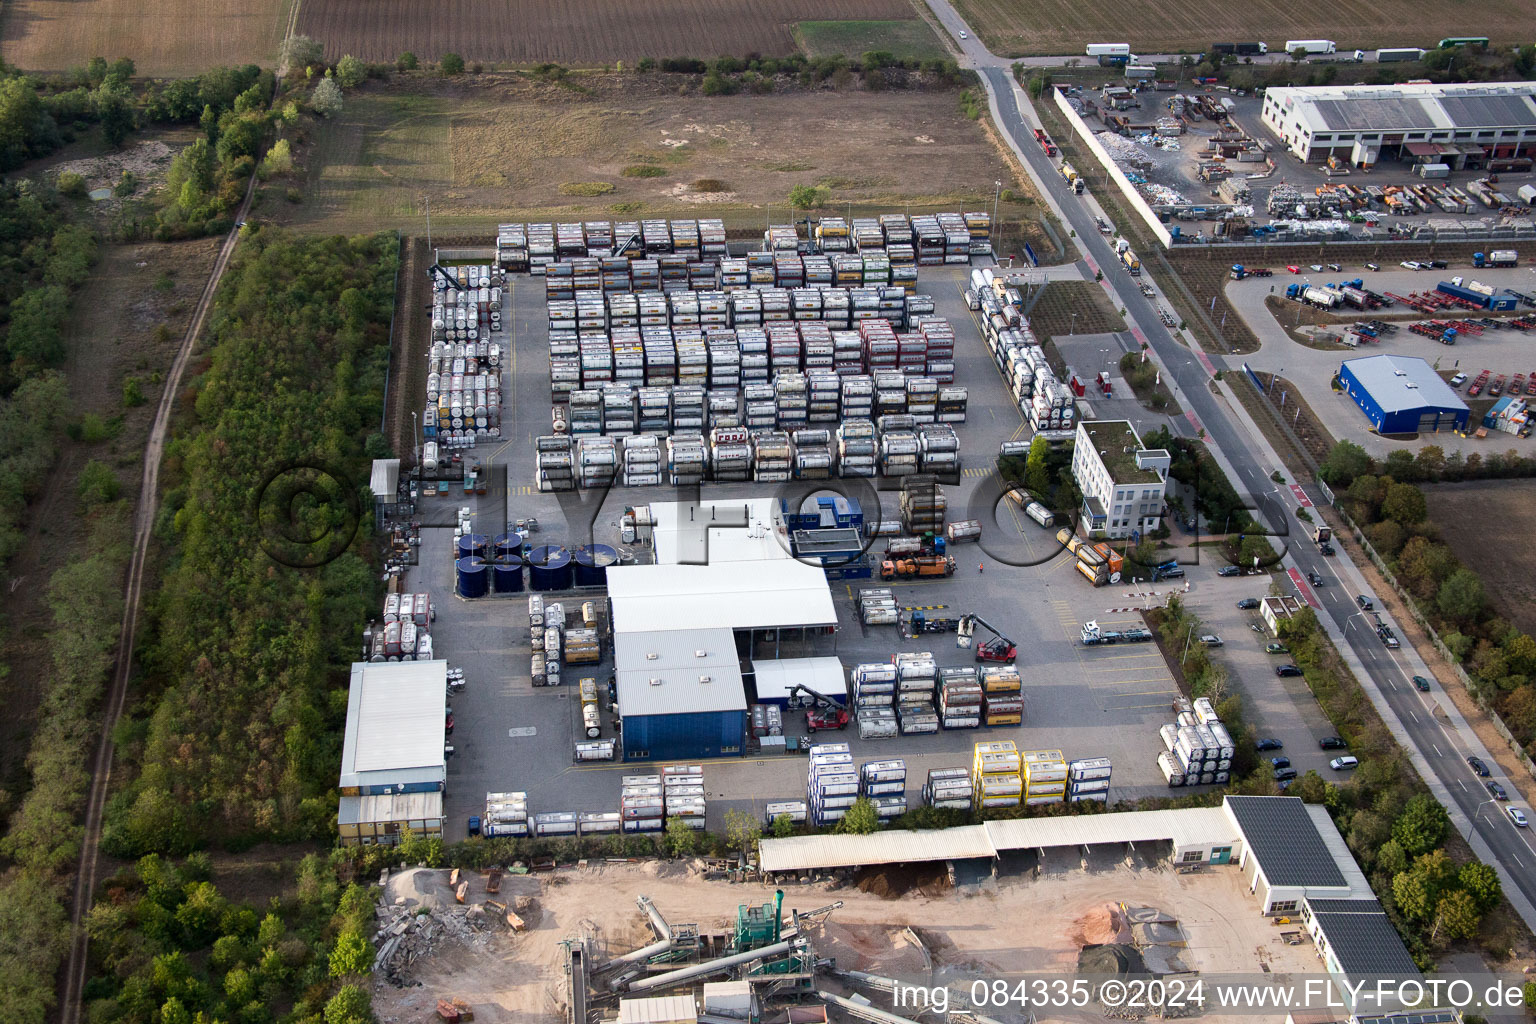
<point x="507" y="576"/>
<point x="474" y="580"/>
<point x="549" y="568"/>
<point x="508" y="546"/>
<point x="592" y="564"/>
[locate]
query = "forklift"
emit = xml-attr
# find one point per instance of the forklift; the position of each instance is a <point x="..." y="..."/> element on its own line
<point x="999" y="648"/>
<point x="823" y="713"/>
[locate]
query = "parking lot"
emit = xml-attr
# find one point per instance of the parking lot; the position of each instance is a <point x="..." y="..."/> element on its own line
<point x="510" y="735"/>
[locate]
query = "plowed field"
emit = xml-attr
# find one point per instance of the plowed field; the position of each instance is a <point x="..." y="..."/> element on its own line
<point x="179" y="37"/>
<point x="573" y="33"/>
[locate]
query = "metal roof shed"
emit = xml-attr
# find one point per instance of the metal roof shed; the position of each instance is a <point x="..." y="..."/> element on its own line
<point x="395" y="728"/>
<point x="810" y="853"/>
<point x="1402" y="395"/>
<point x="762" y="595"/>
<point x="776" y="676"/>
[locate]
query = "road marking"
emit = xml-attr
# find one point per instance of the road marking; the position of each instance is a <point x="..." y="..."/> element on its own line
<point x="522" y="730"/>
<point x="1435" y="745"/>
<point x="1415" y="717"/>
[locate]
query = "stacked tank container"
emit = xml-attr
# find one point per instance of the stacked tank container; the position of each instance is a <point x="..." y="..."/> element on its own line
<point x="813" y="454"/>
<point x="506" y="814"/>
<point x="641" y="804"/>
<point x="996" y="775"/>
<point x="1045" y="777"/>
<point x="960" y="698"/>
<point x="554" y="470"/>
<point x="771" y="456"/>
<point x="877" y="607"/>
<point x="884" y="783"/>
<point x="642" y="461"/>
<point x="555" y="823"/>
<point x="916" y="683"/>
<point x="949" y="787"/>
<point x="1002" y="695"/>
<point x="922" y="506"/>
<point x="683" y="790"/>
<point x="874" y="686"/>
<point x="597" y="461"/>
<point x="832" y="783"/>
<point x="1088" y="779"/>
<point x="857" y="447"/>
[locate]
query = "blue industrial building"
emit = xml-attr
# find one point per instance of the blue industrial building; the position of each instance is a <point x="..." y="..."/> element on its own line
<point x="680" y="694"/>
<point x="1402" y="395"/>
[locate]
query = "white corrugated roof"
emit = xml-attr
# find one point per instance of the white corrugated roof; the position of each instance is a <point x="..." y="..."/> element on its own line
<point x="658" y="1010"/>
<point x="775" y="677"/>
<point x="1388" y="378"/>
<point x="395" y="718"/>
<point x="1188" y="826"/>
<point x="808" y="853"/>
<point x="761" y="595"/>
<point x="356" y="810"/>
<point x="725" y="530"/>
<point x="661" y="673"/>
<point x="385" y="480"/>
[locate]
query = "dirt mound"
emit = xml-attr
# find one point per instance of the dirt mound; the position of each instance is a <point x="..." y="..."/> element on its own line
<point x="892" y="881"/>
<point x="881" y="949"/>
<point x="1110" y="959"/>
<point x="1103" y="924"/>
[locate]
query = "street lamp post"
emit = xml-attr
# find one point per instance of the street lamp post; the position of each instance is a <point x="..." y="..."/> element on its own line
<point x="1475" y="812"/>
<point x="996" y="195"/>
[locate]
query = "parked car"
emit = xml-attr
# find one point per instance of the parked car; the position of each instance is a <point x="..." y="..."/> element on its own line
<point x="1348" y="762"/>
<point x="1372" y="266"/>
<point x="1211" y="640"/>
<point x="1248" y="603"/>
<point x="1496" y="791"/>
<point x="1174" y="573"/>
<point x="1437" y="264"/>
<point x="1284" y="774"/>
<point x="1335" y="267"/>
<point x="1317" y="268"/>
<point x="1287" y="670"/>
<point x="1458" y="380"/>
<point x="1332" y="743"/>
<point x="1517" y="816"/>
<point x="474" y="824"/>
<point x="1276" y="647"/>
<point x="1410" y="264"/>
<point x="1421" y="683"/>
<point x="1293" y="268"/>
<point x="1229" y="570"/>
<point x="1365" y="603"/>
<point x="1325" y="548"/>
<point x="1280" y="762"/>
<point x="1268" y="743"/>
<point x="1478" y="766"/>
<point x="964" y="36"/>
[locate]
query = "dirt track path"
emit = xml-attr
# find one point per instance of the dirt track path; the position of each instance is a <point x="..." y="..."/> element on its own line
<point x="148" y="509"/>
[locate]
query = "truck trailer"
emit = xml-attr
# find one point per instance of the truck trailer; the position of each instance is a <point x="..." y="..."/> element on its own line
<point x="1311" y="47"/>
<point x="1473" y="292"/>
<point x="1399" y="53"/>
<point x="1108" y="50"/>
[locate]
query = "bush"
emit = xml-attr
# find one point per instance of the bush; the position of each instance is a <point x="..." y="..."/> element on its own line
<point x="716" y="84"/>
<point x="451" y="64"/>
<point x="643" y="171"/>
<point x="406" y="61"/>
<point x="326" y="99"/>
<point x="586" y="188"/>
<point x="97" y="484"/>
<point x="133" y="393"/>
<point x="279" y="160"/>
<point x="351" y="72"/>
<point x="809" y="197"/>
<point x="72" y="185"/>
<point x="301" y="52"/>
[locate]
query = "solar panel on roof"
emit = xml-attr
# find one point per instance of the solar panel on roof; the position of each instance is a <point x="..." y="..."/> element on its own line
<point x="1489" y="111"/>
<point x="1283" y="837"/>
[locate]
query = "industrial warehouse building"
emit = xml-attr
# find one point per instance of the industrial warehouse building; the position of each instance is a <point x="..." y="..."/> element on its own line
<point x="1122" y="480"/>
<point x="393" y="758"/>
<point x="1402" y="395"/>
<point x="1463" y="126"/>
<point x="724" y="591"/>
<point x="1290" y="853"/>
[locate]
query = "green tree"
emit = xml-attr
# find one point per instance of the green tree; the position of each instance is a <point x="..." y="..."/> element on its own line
<point x="742" y="830"/>
<point x="1390" y="858"/>
<point x="1405" y="505"/>
<point x="198" y="916"/>
<point x="173" y="1011"/>
<point x="861" y="819"/>
<point x="279" y="159"/>
<point x="783" y="827"/>
<point x="301" y="52"/>
<point x="116" y="116"/>
<point x="97" y="484"/>
<point x="406" y="61"/>
<point x="326" y="99"/>
<point x="809" y="197"/>
<point x="1461" y="597"/>
<point x="1414" y="899"/>
<point x="34" y="936"/>
<point x="1037" y="470"/>
<point x="451" y="64"/>
<point x="1345" y="461"/>
<point x="682" y="841"/>
<point x="1422" y="826"/>
<point x="1481" y="882"/>
<point x="351" y="72"/>
<point x="270" y="932"/>
<point x="1456" y="915"/>
<point x="350" y="955"/>
<point x="350" y="1005"/>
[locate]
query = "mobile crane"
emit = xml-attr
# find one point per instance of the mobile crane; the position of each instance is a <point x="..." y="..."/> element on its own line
<point x="999" y="648"/>
<point x="824" y="713"/>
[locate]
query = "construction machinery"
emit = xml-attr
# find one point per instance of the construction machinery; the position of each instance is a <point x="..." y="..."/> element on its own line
<point x="823" y="713"/>
<point x="999" y="648"/>
<point x="922" y="565"/>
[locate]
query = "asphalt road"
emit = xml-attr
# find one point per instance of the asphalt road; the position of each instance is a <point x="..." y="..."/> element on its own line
<point x="1428" y="726"/>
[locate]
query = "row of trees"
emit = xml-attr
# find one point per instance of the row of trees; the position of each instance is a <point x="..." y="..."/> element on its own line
<point x="174" y="949"/>
<point x="237" y="739"/>
<point x="1499" y="658"/>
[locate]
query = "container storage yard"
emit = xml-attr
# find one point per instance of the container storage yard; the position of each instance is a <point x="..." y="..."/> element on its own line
<point x="605" y="362"/>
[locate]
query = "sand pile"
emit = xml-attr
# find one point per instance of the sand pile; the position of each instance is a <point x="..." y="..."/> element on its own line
<point x="1100" y="925"/>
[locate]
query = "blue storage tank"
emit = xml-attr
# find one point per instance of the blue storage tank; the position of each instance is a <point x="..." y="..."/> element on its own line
<point x="474" y="545"/>
<point x="549" y="568"/>
<point x="474" y="581"/>
<point x="507" y="576"/>
<point x="508" y="546"/>
<point x="592" y="562"/>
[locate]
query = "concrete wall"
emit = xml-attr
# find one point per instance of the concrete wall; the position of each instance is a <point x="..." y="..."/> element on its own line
<point x="1134" y="198"/>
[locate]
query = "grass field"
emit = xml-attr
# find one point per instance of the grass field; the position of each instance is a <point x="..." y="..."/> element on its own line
<point x="184" y="37"/>
<point x="499" y="147"/>
<point x="1492" y="515"/>
<point x="911" y="38"/>
<point x="1014" y="28"/>
<point x="584" y="34"/>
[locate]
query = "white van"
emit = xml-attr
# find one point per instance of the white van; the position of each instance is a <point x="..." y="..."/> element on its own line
<point x="1343" y="764"/>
